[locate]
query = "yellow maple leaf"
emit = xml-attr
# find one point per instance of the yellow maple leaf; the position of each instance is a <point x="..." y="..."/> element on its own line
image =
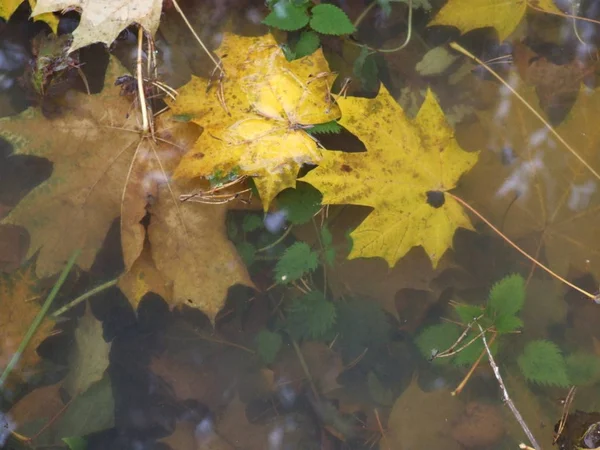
<point x="8" y="7"/>
<point x="103" y="20"/>
<point x="20" y="306"/>
<point x="254" y="119"/>
<point x="408" y="165"/>
<point x="503" y="15"/>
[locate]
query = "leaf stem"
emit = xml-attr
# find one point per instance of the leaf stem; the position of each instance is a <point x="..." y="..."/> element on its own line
<point x="84" y="296"/>
<point x="39" y="318"/>
<point x="279" y="239"/>
<point x="550" y="128"/>
<point x="519" y="249"/>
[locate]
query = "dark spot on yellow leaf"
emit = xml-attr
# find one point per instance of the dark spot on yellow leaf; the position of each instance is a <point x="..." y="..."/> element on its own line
<point x="436" y="198"/>
<point x="346" y="168"/>
<point x="198" y="155"/>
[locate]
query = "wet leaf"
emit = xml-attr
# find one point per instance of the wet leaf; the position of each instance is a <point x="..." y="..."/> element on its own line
<point x="287" y="15"/>
<point x="542" y="362"/>
<point x="422" y="420"/>
<point x="407" y="168"/>
<point x="268" y="345"/>
<point x="103" y="20"/>
<point x="253" y="119"/>
<point x="329" y="19"/>
<point x="20" y="305"/>
<point x="8" y="7"/>
<point x="503" y="15"/>
<point x="89" y="359"/>
<point x="297" y="261"/>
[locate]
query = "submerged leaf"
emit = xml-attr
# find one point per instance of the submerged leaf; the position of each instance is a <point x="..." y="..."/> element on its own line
<point x="330" y="19"/>
<point x="310" y="316"/>
<point x="298" y="260"/>
<point x="269" y="344"/>
<point x="543" y="363"/>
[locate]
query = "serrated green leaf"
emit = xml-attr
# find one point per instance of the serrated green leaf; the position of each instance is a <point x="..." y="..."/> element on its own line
<point x="287" y="16"/>
<point x="325" y="128"/>
<point x="308" y="43"/>
<point x="467" y="313"/>
<point x="75" y="443"/>
<point x="437" y="338"/>
<point x="329" y="19"/>
<point x="252" y="222"/>
<point x="247" y="252"/>
<point x="300" y="204"/>
<point x="542" y="362"/>
<point x="268" y="345"/>
<point x="507" y="324"/>
<point x="310" y="316"/>
<point x="326" y="236"/>
<point x="583" y="369"/>
<point x="366" y="70"/>
<point x="297" y="260"/>
<point x="507" y="295"/>
<point x="329" y="256"/>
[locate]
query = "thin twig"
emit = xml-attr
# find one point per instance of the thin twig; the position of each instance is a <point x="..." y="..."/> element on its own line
<point x="505" y="395"/>
<point x="189" y="25"/>
<point x="519" y="249"/>
<point x="140" y="82"/>
<point x="84" y="297"/>
<point x="39" y="318"/>
<point x="550" y="128"/>
<point x="277" y="241"/>
<point x="471" y="371"/>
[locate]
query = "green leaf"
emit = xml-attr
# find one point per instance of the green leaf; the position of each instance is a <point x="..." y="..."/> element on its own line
<point x="329" y="252"/>
<point x="75" y="443"/>
<point x="329" y="19"/>
<point x="366" y="70"/>
<point x="378" y="392"/>
<point x="311" y="316"/>
<point x="247" y="252"/>
<point x="252" y="222"/>
<point x="287" y="16"/>
<point x="232" y="230"/>
<point x="583" y="369"/>
<point x="507" y="295"/>
<point x="308" y="43"/>
<point x="507" y="324"/>
<point x="326" y="236"/>
<point x="543" y="363"/>
<point x="437" y="338"/>
<point x="325" y="128"/>
<point x="360" y="324"/>
<point x="297" y="260"/>
<point x="468" y="312"/>
<point x="300" y="204"/>
<point x="268" y="345"/>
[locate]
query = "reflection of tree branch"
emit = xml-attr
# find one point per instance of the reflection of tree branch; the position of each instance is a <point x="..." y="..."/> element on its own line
<point x="505" y="395"/>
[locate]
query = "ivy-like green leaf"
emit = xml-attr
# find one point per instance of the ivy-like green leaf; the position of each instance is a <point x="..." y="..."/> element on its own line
<point x="311" y="316"/>
<point x="268" y="345"/>
<point x="297" y="260"/>
<point x="543" y="363"/>
<point x="287" y="16"/>
<point x="300" y="204"/>
<point x="329" y="19"/>
<point x="308" y="43"/>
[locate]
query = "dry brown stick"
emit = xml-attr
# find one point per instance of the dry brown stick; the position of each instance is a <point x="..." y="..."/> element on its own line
<point x="505" y="395"/>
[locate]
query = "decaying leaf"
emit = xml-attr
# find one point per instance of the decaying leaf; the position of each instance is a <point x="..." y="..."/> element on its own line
<point x="503" y="15"/>
<point x="20" y="305"/>
<point x="89" y="359"/>
<point x="254" y="117"/>
<point x="408" y="166"/>
<point x="532" y="187"/>
<point x="422" y="420"/>
<point x="103" y="20"/>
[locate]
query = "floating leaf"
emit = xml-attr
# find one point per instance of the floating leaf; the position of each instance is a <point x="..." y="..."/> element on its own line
<point x="287" y="15"/>
<point x="422" y="153"/>
<point x="543" y="363"/>
<point x="298" y="260"/>
<point x="507" y="296"/>
<point x="329" y="19"/>
<point x="437" y="338"/>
